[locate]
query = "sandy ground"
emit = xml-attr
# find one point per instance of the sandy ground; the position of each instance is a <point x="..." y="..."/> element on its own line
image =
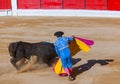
<point x="94" y="67"/>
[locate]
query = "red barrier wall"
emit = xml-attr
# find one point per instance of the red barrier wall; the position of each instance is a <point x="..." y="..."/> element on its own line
<point x="114" y="4"/>
<point x="28" y="4"/>
<point x="5" y="4"/>
<point x="74" y="4"/>
<point x="51" y="4"/>
<point x="63" y="4"/>
<point x="96" y="4"/>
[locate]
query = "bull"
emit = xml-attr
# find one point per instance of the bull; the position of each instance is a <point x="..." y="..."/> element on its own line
<point x="27" y="54"/>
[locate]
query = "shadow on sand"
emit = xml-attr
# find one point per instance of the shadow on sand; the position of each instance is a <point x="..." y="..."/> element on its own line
<point x="84" y="67"/>
<point x="75" y="60"/>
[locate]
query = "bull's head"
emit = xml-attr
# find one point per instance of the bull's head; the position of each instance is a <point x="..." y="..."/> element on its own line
<point x="12" y="49"/>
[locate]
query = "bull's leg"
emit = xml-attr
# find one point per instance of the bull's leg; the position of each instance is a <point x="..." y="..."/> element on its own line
<point x="27" y="66"/>
<point x="21" y="62"/>
<point x="14" y="61"/>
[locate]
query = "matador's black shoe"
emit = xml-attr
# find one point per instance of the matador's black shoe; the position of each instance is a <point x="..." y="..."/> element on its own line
<point x="71" y="78"/>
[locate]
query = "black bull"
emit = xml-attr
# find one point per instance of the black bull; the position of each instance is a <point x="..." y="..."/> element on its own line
<point x="34" y="52"/>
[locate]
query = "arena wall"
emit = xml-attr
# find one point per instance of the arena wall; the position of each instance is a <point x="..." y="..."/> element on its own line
<point x="95" y="8"/>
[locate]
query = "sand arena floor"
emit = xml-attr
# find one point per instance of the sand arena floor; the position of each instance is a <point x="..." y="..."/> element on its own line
<point x="98" y="69"/>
